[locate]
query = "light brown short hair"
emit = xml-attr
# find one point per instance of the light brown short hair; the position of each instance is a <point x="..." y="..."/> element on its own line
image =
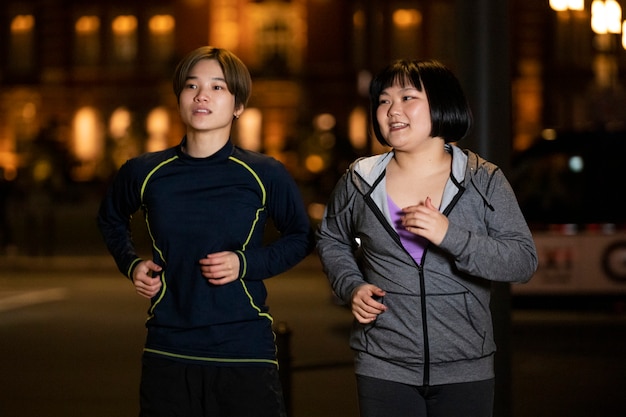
<point x="235" y="71"/>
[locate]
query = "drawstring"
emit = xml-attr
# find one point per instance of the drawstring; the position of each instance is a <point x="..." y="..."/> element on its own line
<point x="480" y="192"/>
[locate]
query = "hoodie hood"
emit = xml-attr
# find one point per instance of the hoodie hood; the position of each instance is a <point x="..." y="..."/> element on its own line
<point x="367" y="174"/>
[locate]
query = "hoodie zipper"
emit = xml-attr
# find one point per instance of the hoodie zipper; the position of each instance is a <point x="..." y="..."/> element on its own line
<point x="422" y="282"/>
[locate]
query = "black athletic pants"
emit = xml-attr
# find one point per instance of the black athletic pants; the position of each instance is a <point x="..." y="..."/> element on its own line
<point x="381" y="398"/>
<point x="170" y="388"/>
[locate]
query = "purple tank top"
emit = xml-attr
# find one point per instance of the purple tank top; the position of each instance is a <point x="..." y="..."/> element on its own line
<point x="412" y="243"/>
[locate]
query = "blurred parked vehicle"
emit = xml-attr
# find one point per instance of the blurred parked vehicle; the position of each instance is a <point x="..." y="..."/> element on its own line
<point x="572" y="191"/>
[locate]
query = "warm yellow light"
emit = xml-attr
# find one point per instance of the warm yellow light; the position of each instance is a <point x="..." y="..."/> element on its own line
<point x="558" y="5"/>
<point x="157" y="126"/>
<point x="576" y="4"/>
<point x="161" y="24"/>
<point x="29" y="111"/>
<point x="358" y="128"/>
<point x="119" y="123"/>
<point x="606" y="17"/>
<point x="88" y="143"/>
<point x="324" y="121"/>
<point x="249" y="128"/>
<point x="407" y="18"/>
<point x="10" y="171"/>
<point x="604" y="69"/>
<point x="358" y="19"/>
<point x="624" y="35"/>
<point x="562" y="5"/>
<point x="549" y="134"/>
<point x="613" y="13"/>
<point x="598" y="17"/>
<point x="124" y="25"/>
<point x="158" y="121"/>
<point x="316" y="211"/>
<point x="22" y="23"/>
<point x="87" y="25"/>
<point x="42" y="170"/>
<point x="224" y="25"/>
<point x="314" y="163"/>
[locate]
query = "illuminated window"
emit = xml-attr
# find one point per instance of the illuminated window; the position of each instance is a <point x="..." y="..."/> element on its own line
<point x="22" y="24"/>
<point x="162" y="24"/>
<point x="407" y="18"/>
<point x="119" y="123"/>
<point x="124" y="38"/>
<point x="278" y="30"/>
<point x="157" y="126"/>
<point x="275" y="38"/>
<point x="357" y="128"/>
<point x="161" y="37"/>
<point x="249" y="128"/>
<point x="606" y="16"/>
<point x="22" y="43"/>
<point x="87" y="40"/>
<point x="360" y="44"/>
<point x="406" y="32"/>
<point x="88" y="142"/>
<point x="224" y="28"/>
<point x="123" y="145"/>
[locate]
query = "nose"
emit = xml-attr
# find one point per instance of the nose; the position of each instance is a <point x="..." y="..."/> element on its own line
<point x="393" y="110"/>
<point x="200" y="96"/>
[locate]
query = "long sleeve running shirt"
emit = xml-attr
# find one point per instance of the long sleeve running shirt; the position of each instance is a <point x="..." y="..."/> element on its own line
<point x="194" y="207"/>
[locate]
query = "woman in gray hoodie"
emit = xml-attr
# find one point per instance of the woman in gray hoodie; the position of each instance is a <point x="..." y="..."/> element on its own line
<point x="411" y="240"/>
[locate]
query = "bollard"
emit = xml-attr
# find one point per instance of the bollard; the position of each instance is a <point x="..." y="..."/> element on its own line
<point x="283" y="346"/>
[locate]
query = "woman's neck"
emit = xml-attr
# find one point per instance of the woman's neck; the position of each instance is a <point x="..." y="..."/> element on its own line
<point x="424" y="162"/>
<point x="199" y="145"/>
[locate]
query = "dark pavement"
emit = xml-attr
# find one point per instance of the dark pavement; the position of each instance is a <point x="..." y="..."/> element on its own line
<point x="71" y="334"/>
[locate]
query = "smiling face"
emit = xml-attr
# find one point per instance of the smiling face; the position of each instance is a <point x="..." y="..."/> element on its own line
<point x="403" y="115"/>
<point x="450" y="115"/>
<point x="205" y="103"/>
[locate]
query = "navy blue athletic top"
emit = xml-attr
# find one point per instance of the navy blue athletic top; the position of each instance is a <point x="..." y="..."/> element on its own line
<point x="194" y="207"/>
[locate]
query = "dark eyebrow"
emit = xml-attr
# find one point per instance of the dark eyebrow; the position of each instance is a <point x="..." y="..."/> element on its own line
<point x="193" y="77"/>
<point x="402" y="89"/>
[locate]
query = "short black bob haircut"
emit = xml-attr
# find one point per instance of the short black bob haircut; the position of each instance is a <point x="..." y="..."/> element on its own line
<point x="450" y="114"/>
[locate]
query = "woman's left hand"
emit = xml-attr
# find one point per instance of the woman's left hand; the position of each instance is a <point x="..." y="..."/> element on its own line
<point x="220" y="268"/>
<point x="426" y="221"/>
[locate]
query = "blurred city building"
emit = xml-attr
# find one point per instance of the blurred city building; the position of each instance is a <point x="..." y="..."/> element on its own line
<point x="87" y="84"/>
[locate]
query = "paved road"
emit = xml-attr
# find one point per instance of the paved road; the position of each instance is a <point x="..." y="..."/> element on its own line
<point x="71" y="338"/>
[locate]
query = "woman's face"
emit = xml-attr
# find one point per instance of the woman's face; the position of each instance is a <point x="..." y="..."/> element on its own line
<point x="206" y="103"/>
<point x="403" y="115"/>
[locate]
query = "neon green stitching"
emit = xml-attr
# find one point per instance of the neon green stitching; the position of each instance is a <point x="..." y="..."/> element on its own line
<point x="256" y="220"/>
<point x="266" y="315"/>
<point x="163" y="289"/>
<point x="198" y="358"/>
<point x="154" y="245"/>
<point x="143" y="189"/>
<point x="263" y="199"/>
<point x="130" y="268"/>
<point x="258" y="180"/>
<point x="155" y="169"/>
<point x="245" y="263"/>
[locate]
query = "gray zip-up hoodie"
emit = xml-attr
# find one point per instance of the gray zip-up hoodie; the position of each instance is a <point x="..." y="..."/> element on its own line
<point x="437" y="328"/>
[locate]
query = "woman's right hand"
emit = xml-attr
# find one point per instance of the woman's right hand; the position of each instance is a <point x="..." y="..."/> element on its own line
<point x="365" y="308"/>
<point x="147" y="279"/>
